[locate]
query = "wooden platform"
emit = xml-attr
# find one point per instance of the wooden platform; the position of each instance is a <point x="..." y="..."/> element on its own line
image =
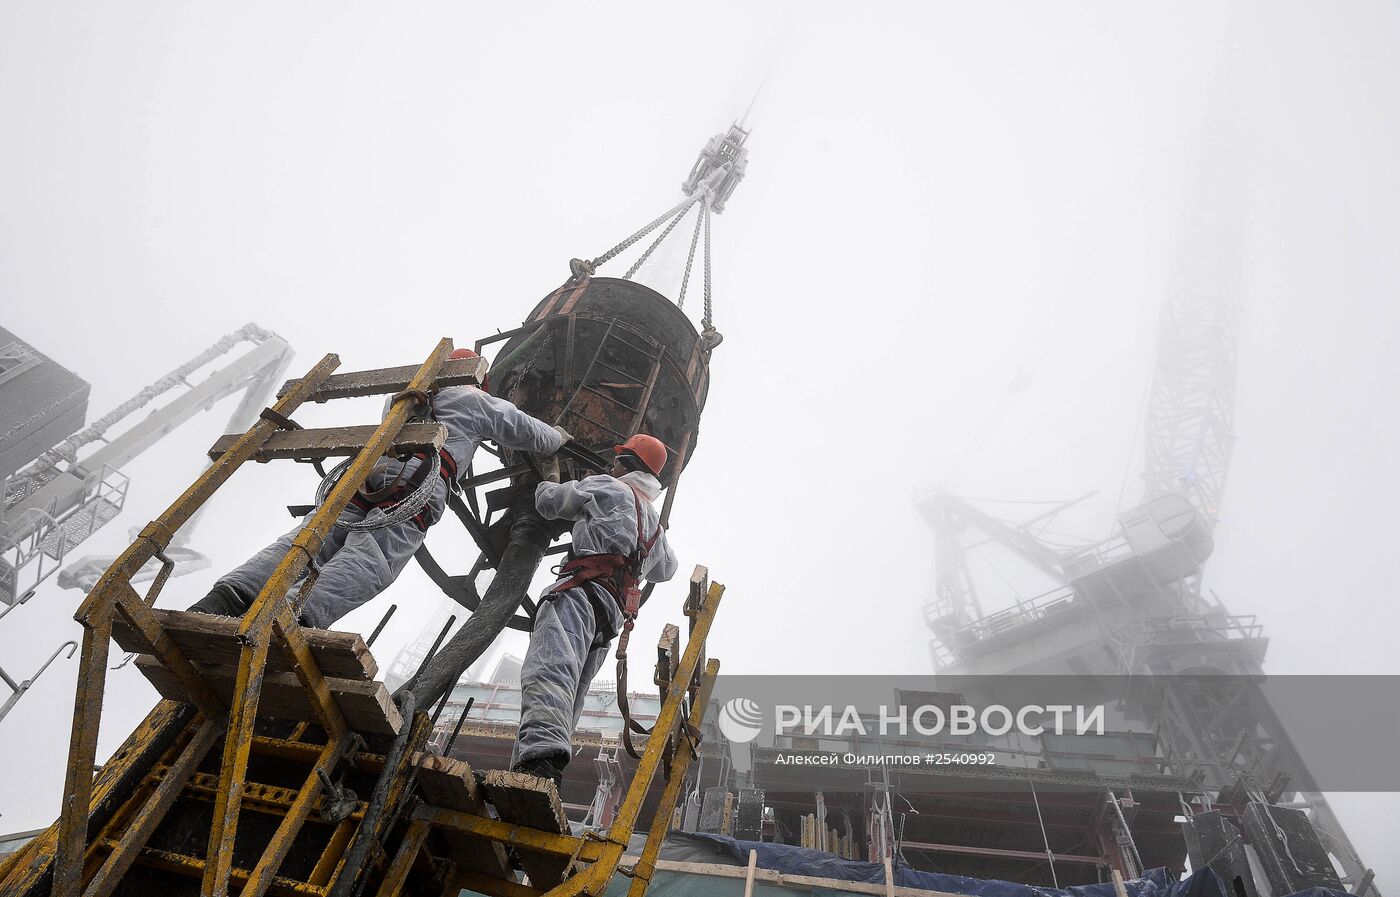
<point x="211" y="640"/>
<point x="448" y="783"/>
<point x="533" y="803"/>
<point x="335" y="442"/>
<point x="454" y="372"/>
<point x="211" y="643"/>
<point x="367" y="706"/>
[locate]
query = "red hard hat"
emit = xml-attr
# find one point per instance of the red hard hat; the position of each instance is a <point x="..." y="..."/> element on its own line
<point x="647" y="449"/>
<point x="468" y="353"/>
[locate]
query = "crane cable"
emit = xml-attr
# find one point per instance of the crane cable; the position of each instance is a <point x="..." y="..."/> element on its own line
<point x="707" y="321"/>
<point x="672" y="217"/>
<point x="675" y="219"/>
<point x="690" y="256"/>
<point x="646" y="229"/>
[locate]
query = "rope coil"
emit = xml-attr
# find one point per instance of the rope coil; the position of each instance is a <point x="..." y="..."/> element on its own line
<point x="400" y="511"/>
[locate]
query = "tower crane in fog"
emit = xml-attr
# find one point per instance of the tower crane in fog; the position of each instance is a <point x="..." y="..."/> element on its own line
<point x="60" y="499"/>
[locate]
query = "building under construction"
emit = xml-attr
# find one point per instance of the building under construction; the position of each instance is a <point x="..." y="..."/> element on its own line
<point x="279" y="762"/>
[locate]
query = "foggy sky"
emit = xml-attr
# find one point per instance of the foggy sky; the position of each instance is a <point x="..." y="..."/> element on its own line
<point x="939" y="195"/>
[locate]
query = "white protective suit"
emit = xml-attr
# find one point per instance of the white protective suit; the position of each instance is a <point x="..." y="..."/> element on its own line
<point x="356" y="565"/>
<point x="574" y="628"/>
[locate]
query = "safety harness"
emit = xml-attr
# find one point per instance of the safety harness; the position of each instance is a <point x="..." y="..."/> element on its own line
<point x="618" y="574"/>
<point x="394" y="493"/>
<point x="402" y="495"/>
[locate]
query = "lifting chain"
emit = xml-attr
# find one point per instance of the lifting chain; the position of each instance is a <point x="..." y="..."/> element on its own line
<point x="651" y="226"/>
<point x="674" y="214"/>
<point x="707" y="322"/>
<point x="675" y="219"/>
<point x="690" y="256"/>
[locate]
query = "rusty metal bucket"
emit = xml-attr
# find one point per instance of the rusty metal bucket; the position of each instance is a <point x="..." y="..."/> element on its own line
<point x="606" y="358"/>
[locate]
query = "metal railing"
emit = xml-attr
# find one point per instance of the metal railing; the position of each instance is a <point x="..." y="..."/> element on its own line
<point x="37" y="543"/>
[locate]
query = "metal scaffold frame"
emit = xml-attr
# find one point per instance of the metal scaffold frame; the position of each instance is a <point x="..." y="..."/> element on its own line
<point x="107" y="822"/>
<point x="269" y="618"/>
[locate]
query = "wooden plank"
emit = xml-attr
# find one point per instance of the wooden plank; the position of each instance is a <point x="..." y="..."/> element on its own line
<point x="386" y="381"/>
<point x="806" y="882"/>
<point x="699" y="587"/>
<point x="336" y="442"/>
<point x="446" y="782"/>
<point x="522" y="799"/>
<point x="213" y="641"/>
<point x="667" y="655"/>
<point x="366" y="706"/>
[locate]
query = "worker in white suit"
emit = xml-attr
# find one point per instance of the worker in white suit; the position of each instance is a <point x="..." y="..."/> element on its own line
<point x="618" y="541"/>
<point x="388" y="519"/>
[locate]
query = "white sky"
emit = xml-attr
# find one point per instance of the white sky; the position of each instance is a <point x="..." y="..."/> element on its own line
<point x="938" y="194"/>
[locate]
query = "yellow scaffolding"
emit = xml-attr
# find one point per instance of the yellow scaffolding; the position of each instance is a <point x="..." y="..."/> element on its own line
<point x="304" y="835"/>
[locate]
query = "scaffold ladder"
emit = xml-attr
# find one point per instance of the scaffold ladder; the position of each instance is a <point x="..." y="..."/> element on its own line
<point x="276" y="763"/>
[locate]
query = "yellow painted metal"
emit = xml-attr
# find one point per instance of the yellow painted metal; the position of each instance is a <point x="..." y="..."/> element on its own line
<point x="33" y="861"/>
<point x="515" y="835"/>
<point x="137" y="830"/>
<point x="595" y="879"/>
<point x="237" y="742"/>
<point x="269" y="799"/>
<point x="605" y="855"/>
<point x="194" y="868"/>
<point x="399" y="783"/>
<point x="295" y="806"/>
<point x="136" y="611"/>
<point x="96" y="615"/>
<point x="398" y="870"/>
<point x="330" y="857"/>
<point x="309" y="674"/>
<point x="496" y="887"/>
<point x="269" y="611"/>
<point x="287" y="830"/>
<point x="82" y="750"/>
<point x="645" y="866"/>
<point x="271" y="625"/>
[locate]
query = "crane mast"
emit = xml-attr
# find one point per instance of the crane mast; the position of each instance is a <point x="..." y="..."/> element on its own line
<point x="1133" y="605"/>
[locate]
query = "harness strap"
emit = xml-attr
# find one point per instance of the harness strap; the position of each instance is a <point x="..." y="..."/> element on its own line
<point x="604" y="569"/>
<point x="599" y="568"/>
<point x="618" y="574"/>
<point x="629" y="725"/>
<point x="631" y="603"/>
<point x="393" y="493"/>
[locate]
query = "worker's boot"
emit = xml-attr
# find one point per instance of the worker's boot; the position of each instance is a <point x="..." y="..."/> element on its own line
<point x="222" y="600"/>
<point x="550" y="766"/>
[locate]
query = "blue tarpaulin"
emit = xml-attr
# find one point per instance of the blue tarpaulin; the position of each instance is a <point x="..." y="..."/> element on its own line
<point x="789" y="860"/>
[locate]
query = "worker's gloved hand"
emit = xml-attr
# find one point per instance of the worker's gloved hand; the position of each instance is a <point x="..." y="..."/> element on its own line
<point x="549" y="467"/>
<point x="564" y="435"/>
